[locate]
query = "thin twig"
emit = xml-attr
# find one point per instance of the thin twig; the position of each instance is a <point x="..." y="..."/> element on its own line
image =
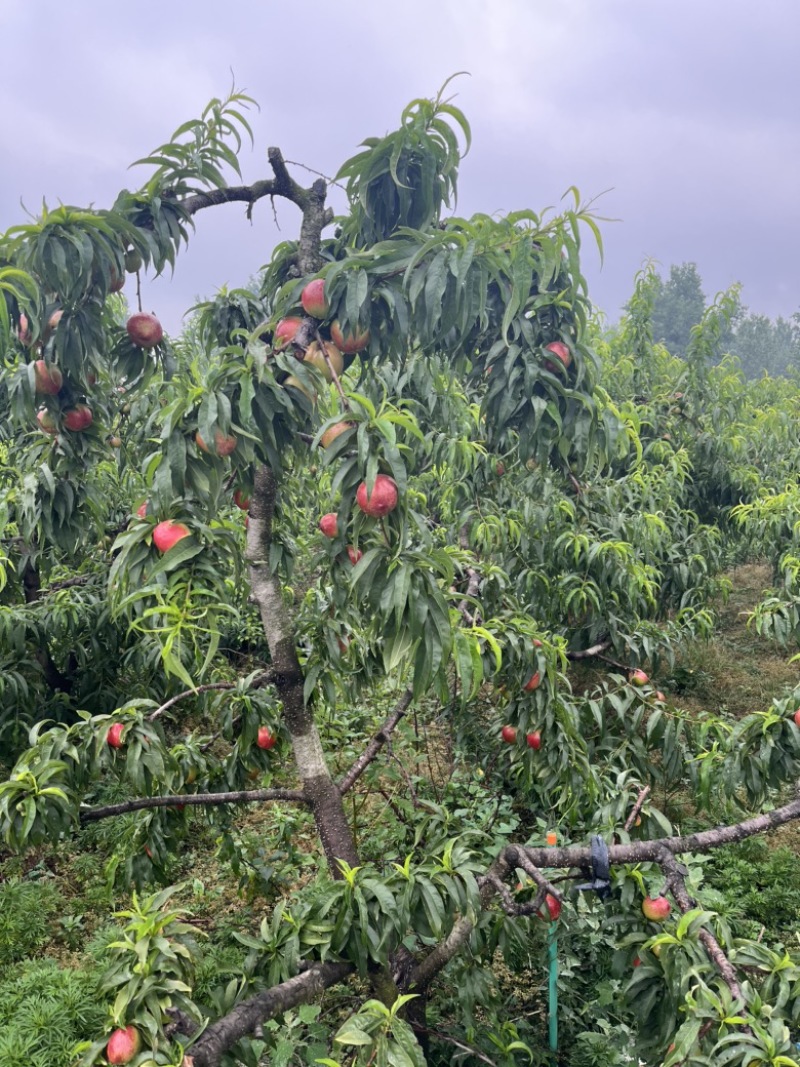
<point x="258" y="681"/>
<point x="376" y="744"/>
<point x="319" y="174"/>
<point x="406" y="776"/>
<point x="451" y="1040"/>
<point x="323" y="349"/>
<point x="637" y="807"/>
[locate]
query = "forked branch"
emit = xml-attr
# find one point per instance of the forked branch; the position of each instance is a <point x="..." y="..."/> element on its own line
<point x="221" y="1035"/>
<point x="309" y="201"/>
<point x="663" y="852"/>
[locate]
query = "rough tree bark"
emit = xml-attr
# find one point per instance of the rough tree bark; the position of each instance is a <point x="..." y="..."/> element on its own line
<point x="245" y="1017"/>
<point x="318" y="785"/>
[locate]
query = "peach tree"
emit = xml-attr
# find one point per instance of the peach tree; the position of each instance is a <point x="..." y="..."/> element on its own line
<point x="364" y="517"/>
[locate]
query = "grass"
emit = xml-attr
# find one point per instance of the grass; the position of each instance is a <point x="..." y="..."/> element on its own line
<point x="737" y="671"/>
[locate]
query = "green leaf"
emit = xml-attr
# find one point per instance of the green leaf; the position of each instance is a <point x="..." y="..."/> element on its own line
<point x="351" y="1035"/>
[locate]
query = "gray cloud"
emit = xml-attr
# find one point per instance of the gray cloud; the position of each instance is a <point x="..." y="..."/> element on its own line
<point x="685" y="111"/>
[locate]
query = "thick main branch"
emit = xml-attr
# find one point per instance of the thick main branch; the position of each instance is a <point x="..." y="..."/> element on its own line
<point x="223" y="1034"/>
<point x="319" y="788"/>
<point x="657" y="851"/>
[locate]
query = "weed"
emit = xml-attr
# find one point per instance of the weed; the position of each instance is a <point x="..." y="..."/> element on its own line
<point x="761" y="884"/>
<point x="44" y="1011"/>
<point x="25" y="912"/>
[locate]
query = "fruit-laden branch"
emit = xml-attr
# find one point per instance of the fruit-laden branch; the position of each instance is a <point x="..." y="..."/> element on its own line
<point x="437" y="959"/>
<point x="238" y="796"/>
<point x="318" y="786"/>
<point x="533" y="860"/>
<point x="223" y="1034"/>
<point x="643" y="851"/>
<point x="381" y="738"/>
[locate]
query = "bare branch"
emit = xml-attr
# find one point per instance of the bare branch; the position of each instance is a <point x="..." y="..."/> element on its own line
<point x="247" y="194"/>
<point x="281" y="185"/>
<point x="510" y="907"/>
<point x="643" y="851"/>
<point x="319" y="789"/>
<point x="473" y="584"/>
<point x="537" y="876"/>
<point x="589" y="653"/>
<point x="239" y="796"/>
<point x="376" y="744"/>
<point x="68" y="583"/>
<point x="637" y="807"/>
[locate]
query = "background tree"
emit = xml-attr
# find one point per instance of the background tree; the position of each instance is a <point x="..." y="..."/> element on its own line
<point x="678" y="306"/>
<point x="766" y="347"/>
<point x="374" y="514"/>
<point x="762" y="346"/>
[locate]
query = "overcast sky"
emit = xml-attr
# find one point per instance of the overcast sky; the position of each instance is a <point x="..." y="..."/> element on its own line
<point x="686" y="111"/>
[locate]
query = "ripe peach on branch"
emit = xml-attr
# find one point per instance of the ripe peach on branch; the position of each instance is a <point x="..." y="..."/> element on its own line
<point x="144" y="330"/>
<point x="313" y="299"/>
<point x="381" y="500"/>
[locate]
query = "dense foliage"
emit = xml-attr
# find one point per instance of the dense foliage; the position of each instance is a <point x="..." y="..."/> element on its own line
<point x="564" y="496"/>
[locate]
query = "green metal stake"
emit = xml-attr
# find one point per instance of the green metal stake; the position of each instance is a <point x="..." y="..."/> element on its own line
<point x="552" y="952"/>
<point x="553" y="1000"/>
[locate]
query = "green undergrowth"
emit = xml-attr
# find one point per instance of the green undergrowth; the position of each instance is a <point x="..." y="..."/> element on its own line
<point x="760" y="886"/>
<point x="44" y="1010"/>
<point x="738" y="671"/>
